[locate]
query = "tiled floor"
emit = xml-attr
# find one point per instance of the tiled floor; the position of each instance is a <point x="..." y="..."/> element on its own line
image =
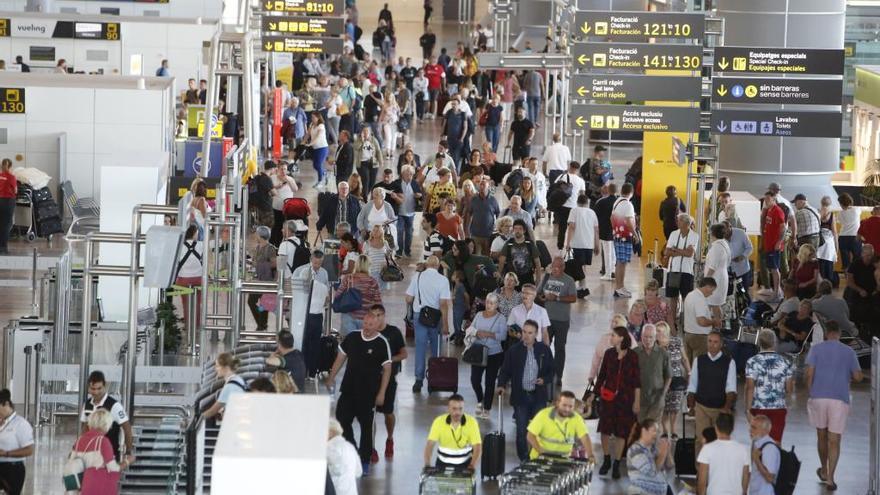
<point x="590" y="318"/>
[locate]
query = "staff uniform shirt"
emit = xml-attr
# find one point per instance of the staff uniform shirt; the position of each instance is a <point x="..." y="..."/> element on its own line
<point x="428" y="288"/>
<point x="578" y="186"/>
<point x="585" y="225"/>
<point x="117" y="413"/>
<point x="556" y="434"/>
<point x="366" y="359"/>
<point x="455" y="444"/>
<point x="15" y="433"/>
<point x="519" y="314"/>
<point x="677" y="240"/>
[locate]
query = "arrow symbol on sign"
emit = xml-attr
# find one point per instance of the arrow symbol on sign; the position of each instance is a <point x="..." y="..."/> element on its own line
<point x="268" y="45"/>
<point x="269" y="5"/>
<point x="723" y="63"/>
<point x="722" y="90"/>
<point x="586" y="28"/>
<point x="273" y="26"/>
<point x="583" y="59"/>
<point x="653" y="162"/>
<point x="582" y="91"/>
<point x="721" y="126"/>
<point x="580" y="121"/>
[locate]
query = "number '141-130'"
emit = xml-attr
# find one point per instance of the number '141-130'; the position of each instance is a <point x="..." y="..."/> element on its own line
<point x="671" y="62"/>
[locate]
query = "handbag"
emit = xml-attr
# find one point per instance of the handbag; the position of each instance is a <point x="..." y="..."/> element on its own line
<point x="349" y="300"/>
<point x="608" y="394"/>
<point x="391" y="272"/>
<point x="596" y="402"/>
<point x="673" y="279"/>
<point x="75" y="466"/>
<point x="342" y="109"/>
<point x="484" y="117"/>
<point x="477" y="354"/>
<point x="678" y="384"/>
<point x="573" y="268"/>
<point x="428" y="316"/>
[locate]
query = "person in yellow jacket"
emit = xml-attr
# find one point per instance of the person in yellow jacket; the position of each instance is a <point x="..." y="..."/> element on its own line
<point x="555" y="429"/>
<point x="457" y="436"/>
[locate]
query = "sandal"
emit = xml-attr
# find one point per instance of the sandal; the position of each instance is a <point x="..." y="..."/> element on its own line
<point x="819" y="474"/>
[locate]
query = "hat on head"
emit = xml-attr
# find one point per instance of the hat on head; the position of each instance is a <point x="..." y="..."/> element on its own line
<point x="800" y="197"/>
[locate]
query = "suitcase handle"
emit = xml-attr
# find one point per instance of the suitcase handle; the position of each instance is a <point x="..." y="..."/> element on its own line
<point x="500" y="415"/>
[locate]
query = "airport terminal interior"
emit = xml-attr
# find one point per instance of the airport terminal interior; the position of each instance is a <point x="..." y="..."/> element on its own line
<point x="437" y="247"/>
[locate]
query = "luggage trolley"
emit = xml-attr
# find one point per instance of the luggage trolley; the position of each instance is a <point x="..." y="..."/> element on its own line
<point x="23" y="222"/>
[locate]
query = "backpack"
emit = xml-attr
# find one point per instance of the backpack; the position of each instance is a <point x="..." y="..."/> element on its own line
<point x="789" y="470"/>
<point x="301" y="254"/>
<point x="190" y="251"/>
<point x="513" y="182"/>
<point x="558" y="193"/>
<point x="447" y="243"/>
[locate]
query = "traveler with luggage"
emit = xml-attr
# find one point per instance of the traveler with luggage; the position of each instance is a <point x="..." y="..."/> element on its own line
<point x="190" y="267"/>
<point x="712" y="386"/>
<point x="489" y="331"/>
<point x="294" y="250"/>
<point x="556" y="430"/>
<point x="648" y="459"/>
<point x="359" y="284"/>
<point x="336" y="208"/>
<point x="582" y="241"/>
<point x="456" y="436"/>
<point x="288" y="359"/>
<point x="364" y="384"/>
<point x="8" y="193"/>
<point x="263" y="259"/>
<point x="681" y="367"/>
<point x="765" y="461"/>
<point x="529" y="310"/>
<point x="528" y="368"/>
<point x="626" y="236"/>
<point x="576" y="187"/>
<point x="316" y="279"/>
<point x="520" y="256"/>
<point x="397" y="345"/>
<point x="618" y="384"/>
<point x="681" y="245"/>
<point x="283" y="188"/>
<point x="429" y="295"/>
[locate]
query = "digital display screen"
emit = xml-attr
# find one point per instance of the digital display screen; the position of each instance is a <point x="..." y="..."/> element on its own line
<point x="42" y="53"/>
<point x="90" y="30"/>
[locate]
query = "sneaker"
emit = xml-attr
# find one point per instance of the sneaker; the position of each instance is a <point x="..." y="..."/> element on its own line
<point x="417" y="387"/>
<point x="366" y="468"/>
<point x="389" y="448"/>
<point x="606" y="465"/>
<point x="486" y="414"/>
<point x="622" y="293"/>
<point x="582" y="293"/>
<point x="374" y="457"/>
<point x="478" y="412"/>
<point x="606" y="278"/>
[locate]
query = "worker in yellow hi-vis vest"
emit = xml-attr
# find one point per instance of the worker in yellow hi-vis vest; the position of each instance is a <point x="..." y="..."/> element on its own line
<point x="555" y="429"/>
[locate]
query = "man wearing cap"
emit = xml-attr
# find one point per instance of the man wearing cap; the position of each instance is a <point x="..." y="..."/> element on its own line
<point x="808" y="223"/>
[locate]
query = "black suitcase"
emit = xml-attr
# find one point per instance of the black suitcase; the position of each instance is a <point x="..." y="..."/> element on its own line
<point x="685" y="453"/>
<point x="543" y="253"/>
<point x="43" y="194"/>
<point x="328" y="349"/>
<point x="49" y="227"/>
<point x="492" y="463"/>
<point x="46" y="211"/>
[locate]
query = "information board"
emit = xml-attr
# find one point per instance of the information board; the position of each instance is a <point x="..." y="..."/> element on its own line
<point x="335" y="7"/>
<point x="326" y="26"/>
<point x="653" y="56"/>
<point x="779" y="60"/>
<point x="634" y="87"/>
<point x="777" y="90"/>
<point x="617" y="25"/>
<point x="777" y="123"/>
<point x="12" y="100"/>
<point x="316" y="45"/>
<point x="636" y="118"/>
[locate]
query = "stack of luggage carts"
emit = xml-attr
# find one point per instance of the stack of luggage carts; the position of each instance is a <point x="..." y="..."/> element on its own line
<point x="447" y="481"/>
<point x="549" y="475"/>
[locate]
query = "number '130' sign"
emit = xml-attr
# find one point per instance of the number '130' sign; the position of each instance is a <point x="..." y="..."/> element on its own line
<point x="12" y="100"/>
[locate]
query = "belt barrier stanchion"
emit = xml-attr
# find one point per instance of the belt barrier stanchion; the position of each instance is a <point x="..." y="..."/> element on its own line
<point x="34" y="290"/>
<point x="28" y="359"/>
<point x="38" y="389"/>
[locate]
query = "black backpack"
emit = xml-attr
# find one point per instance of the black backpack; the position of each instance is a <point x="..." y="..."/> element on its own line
<point x="789" y="470"/>
<point x="301" y="254"/>
<point x="513" y="182"/>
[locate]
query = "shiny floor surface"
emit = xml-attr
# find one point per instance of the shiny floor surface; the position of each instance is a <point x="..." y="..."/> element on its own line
<point x="590" y="318"/>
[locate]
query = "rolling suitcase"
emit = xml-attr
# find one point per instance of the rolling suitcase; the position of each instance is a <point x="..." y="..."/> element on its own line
<point x="653" y="270"/>
<point x="443" y="371"/>
<point x="685" y="453"/>
<point x="43" y="194"/>
<point x="492" y="463"/>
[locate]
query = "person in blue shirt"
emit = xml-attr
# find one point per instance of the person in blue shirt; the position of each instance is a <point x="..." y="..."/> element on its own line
<point x="162" y="71"/>
<point x="294" y="123"/>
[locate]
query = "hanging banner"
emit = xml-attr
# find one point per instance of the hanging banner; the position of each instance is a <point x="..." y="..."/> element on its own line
<point x="777" y="91"/>
<point x="779" y="60"/>
<point x="53" y="29"/>
<point x="327" y="26"/>
<point x="636" y="118"/>
<point x="777" y="123"/>
<point x="318" y="46"/>
<point x="616" y="25"/>
<point x="635" y="87"/>
<point x="637" y="56"/>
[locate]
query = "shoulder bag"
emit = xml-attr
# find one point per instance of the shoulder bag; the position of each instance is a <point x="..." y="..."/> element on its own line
<point x="75" y="466"/>
<point x="428" y="316"/>
<point x="673" y="278"/>
<point x="349" y="300"/>
<point x="391" y="272"/>
<point x="608" y="394"/>
<point x="478" y="354"/>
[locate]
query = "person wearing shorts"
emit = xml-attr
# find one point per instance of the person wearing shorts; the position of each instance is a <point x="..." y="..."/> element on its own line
<point x="773" y="224"/>
<point x="831" y="367"/>
<point x="398" y="353"/>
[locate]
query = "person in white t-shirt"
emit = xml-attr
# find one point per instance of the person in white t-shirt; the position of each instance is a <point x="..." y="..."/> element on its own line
<point x="716" y="266"/>
<point x="623" y="226"/>
<point x="723" y="465"/>
<point x="582" y="239"/>
<point x="698" y="319"/>
<point x="578" y="187"/>
<point x="556" y="158"/>
<point x="680" y="248"/>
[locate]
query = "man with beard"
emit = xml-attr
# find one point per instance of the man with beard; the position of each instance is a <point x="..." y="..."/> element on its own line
<point x="555" y="429"/>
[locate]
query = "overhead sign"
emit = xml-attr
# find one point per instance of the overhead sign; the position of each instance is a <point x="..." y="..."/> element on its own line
<point x="287" y="44"/>
<point x="335" y="7"/>
<point x="777" y="91"/>
<point x="12" y="100"/>
<point x="636" y="118"/>
<point x="52" y="29"/>
<point x="616" y="25"/>
<point x="638" y="56"/>
<point x="634" y="87"/>
<point x="327" y="26"/>
<point x="776" y="123"/>
<point x="778" y="60"/>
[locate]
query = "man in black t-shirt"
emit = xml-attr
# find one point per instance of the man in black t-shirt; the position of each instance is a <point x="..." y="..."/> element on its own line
<point x="522" y="130"/>
<point x="520" y="256"/>
<point x="260" y="197"/>
<point x="408" y="73"/>
<point x="364" y="383"/>
<point x="288" y="359"/>
<point x="603" y="208"/>
<point x="398" y="353"/>
<point x="861" y="287"/>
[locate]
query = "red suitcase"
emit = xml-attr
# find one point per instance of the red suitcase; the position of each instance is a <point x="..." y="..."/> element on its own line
<point x="443" y="372"/>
